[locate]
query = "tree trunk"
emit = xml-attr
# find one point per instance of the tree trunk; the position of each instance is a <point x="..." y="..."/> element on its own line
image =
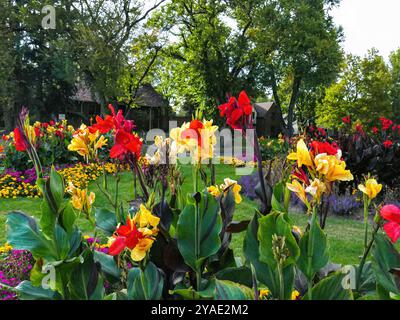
<point x="292" y="104"/>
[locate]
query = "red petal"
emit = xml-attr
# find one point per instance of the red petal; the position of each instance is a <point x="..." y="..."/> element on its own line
<point x="391" y="213"/>
<point x="117" y="246"/>
<point x="243" y="99"/>
<point x="117" y="150"/>
<point x="392" y="229"/>
<point x="236" y="115"/>
<point x="248" y="109"/>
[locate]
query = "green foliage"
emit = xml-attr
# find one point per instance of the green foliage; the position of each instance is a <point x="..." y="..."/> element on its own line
<point x="199" y="240"/>
<point x="145" y="284"/>
<point x="313" y="251"/>
<point x="363" y="92"/>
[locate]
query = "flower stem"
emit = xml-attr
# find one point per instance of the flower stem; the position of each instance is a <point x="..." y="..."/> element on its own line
<point x="365" y="255"/>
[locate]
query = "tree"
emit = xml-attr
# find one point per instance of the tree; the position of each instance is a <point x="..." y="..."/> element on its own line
<point x="209" y="57"/>
<point x="394" y="60"/>
<point x="363" y="92"/>
<point x="299" y="45"/>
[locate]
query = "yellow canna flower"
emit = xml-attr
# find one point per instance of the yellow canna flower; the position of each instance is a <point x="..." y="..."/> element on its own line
<point x="371" y="188"/>
<point x="316" y="189"/>
<point x="145" y="218"/>
<point x="302" y="155"/>
<point x="298" y="189"/>
<point x="264" y="293"/>
<point x="139" y="252"/>
<point x="214" y="191"/>
<point x="295" y="295"/>
<point x="100" y="143"/>
<point x="79" y="145"/>
<point x="236" y="188"/>
<point x="337" y="171"/>
<point x="80" y="199"/>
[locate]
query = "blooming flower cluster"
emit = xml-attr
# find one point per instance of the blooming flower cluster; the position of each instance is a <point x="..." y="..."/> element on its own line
<point x="15" y="184"/>
<point x="228" y="184"/>
<point x="96" y="243"/>
<point x="14" y="268"/>
<point x="137" y="235"/>
<point x="323" y="168"/>
<point x="197" y="137"/>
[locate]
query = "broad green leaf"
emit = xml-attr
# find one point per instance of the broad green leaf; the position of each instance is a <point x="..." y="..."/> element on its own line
<point x="23" y="234"/>
<point x="106" y="221"/>
<point x="275" y="224"/>
<point x="209" y="229"/>
<point x="330" y="288"/>
<point x="385" y="259"/>
<point x="84" y="278"/>
<point x="207" y="292"/>
<point x="56" y="187"/>
<point x="108" y="264"/>
<point x="278" y="195"/>
<point x="240" y="275"/>
<point x="145" y="285"/>
<point x="26" y="291"/>
<point x="228" y="290"/>
<point x="68" y="218"/>
<point x="264" y="273"/>
<point x="316" y="257"/>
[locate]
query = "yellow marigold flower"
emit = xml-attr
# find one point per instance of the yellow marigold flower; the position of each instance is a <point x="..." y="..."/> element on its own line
<point x="298" y="189"/>
<point x="371" y="188"/>
<point x="295" y="295"/>
<point x="302" y="155"/>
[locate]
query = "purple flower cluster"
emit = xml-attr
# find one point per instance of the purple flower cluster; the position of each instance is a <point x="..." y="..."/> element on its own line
<point x="98" y="246"/>
<point x="27" y="176"/>
<point x="249" y="184"/>
<point x="14" y="268"/>
<point x="343" y="205"/>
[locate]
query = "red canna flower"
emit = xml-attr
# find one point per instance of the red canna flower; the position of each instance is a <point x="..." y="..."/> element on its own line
<point x="126" y="143"/>
<point x="386" y="123"/>
<point x="126" y="236"/>
<point x="375" y="130"/>
<point x="321" y="131"/>
<point x="194" y="131"/>
<point x="387" y="144"/>
<point x="359" y="128"/>
<point x="45" y="125"/>
<point x="52" y="123"/>
<point x="301" y="175"/>
<point x="346" y="120"/>
<point x="19" y="141"/>
<point x="391" y="213"/>
<point x="114" y="121"/>
<point x="237" y="112"/>
<point x="324" y="147"/>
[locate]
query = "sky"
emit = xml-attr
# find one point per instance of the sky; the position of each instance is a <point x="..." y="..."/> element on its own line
<point x="369" y="23"/>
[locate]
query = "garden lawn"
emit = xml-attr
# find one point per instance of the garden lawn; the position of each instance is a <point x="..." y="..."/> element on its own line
<point x="345" y="235"/>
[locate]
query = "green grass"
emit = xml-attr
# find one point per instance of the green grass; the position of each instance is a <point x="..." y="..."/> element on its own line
<point x="345" y="235"/>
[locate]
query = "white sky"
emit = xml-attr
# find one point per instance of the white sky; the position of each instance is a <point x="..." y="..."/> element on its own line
<point x="369" y="23"/>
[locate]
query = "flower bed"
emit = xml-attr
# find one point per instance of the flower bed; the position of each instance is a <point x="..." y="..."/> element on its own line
<point x="169" y="245"/>
<point x="15" y="184"/>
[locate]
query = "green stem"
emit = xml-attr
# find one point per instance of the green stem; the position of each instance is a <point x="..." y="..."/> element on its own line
<point x="281" y="282"/>
<point x="310" y="246"/>
<point x="366" y="208"/>
<point x="365" y="255"/>
<point x="143" y="282"/>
